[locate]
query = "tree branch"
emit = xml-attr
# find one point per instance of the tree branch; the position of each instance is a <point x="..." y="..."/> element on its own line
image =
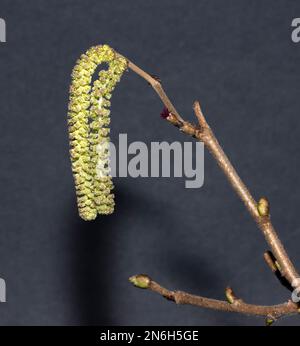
<point x="259" y="212"/>
<point x="233" y="304"/>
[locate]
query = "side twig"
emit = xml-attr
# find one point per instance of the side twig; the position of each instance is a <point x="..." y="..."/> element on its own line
<point x="233" y="304"/>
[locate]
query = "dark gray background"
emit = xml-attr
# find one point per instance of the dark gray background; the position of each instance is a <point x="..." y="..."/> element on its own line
<point x="237" y="57"/>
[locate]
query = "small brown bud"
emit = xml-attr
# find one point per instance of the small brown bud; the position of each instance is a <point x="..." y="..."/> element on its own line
<point x="230" y="296"/>
<point x="140" y="281"/>
<point x="278" y="266"/>
<point x="269" y="321"/>
<point x="263" y="207"/>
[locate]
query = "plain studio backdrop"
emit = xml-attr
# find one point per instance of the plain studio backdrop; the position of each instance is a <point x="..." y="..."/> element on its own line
<point x="238" y="59"/>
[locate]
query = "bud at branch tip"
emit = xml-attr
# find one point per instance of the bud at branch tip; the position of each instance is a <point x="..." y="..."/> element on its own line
<point x="140" y="281"/>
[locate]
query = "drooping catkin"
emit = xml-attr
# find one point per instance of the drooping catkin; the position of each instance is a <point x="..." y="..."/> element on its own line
<point x="88" y="120"/>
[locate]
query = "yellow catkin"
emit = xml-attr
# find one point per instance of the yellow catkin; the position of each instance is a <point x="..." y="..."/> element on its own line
<point x="88" y="120"/>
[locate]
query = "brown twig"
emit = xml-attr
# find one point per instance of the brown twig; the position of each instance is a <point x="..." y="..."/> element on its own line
<point x="259" y="211"/>
<point x="233" y="304"/>
<point x="156" y="85"/>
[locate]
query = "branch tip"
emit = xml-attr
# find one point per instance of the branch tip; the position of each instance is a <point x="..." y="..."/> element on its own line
<point x="197" y="107"/>
<point x="199" y="114"/>
<point x="140" y="281"/>
<point x="271" y="261"/>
